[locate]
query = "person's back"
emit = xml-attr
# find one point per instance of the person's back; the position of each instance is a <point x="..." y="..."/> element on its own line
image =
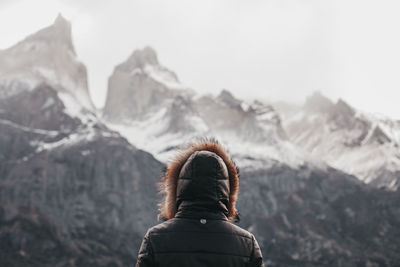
<point x="200" y="187"/>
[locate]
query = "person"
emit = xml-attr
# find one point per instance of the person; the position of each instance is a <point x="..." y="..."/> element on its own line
<point x="200" y="187"/>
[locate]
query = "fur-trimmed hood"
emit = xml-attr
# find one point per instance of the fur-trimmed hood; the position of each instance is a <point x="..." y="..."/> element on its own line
<point x="168" y="185"/>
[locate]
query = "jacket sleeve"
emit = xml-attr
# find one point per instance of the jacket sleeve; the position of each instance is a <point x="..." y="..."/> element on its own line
<point x="256" y="259"/>
<point x="145" y="255"/>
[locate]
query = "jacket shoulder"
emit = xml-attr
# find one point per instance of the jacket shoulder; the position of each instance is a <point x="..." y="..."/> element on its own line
<point x="178" y="224"/>
<point x="238" y="230"/>
<point x="162" y="227"/>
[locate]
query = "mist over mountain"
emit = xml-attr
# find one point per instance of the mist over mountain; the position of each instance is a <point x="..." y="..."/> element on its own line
<point x="169" y="115"/>
<point x="77" y="189"/>
<point x="362" y="144"/>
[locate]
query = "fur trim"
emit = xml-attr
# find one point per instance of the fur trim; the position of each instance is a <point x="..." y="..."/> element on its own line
<point x="168" y="184"/>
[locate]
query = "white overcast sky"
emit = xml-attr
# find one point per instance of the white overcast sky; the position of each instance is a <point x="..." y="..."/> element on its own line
<point x="271" y="49"/>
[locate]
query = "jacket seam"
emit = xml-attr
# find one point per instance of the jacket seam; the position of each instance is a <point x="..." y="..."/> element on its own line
<point x="252" y="248"/>
<point x="204" y="217"/>
<point x="189" y="178"/>
<point x="162" y="233"/>
<point x="151" y="248"/>
<point x="202" y="252"/>
<point x="216" y="180"/>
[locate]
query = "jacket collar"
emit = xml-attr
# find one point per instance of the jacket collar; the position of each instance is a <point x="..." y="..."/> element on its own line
<point x="191" y="210"/>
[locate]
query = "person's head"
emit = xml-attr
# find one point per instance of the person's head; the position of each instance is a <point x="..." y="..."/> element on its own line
<point x="201" y="172"/>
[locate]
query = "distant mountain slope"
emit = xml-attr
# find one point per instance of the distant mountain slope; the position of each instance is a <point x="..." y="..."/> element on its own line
<point x="358" y="143"/>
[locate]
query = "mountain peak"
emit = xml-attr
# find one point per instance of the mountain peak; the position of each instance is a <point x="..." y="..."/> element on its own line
<point x="317" y="102"/>
<point x="225" y="94"/>
<point x="140" y="58"/>
<point x="57" y="33"/>
<point x="61" y="22"/>
<point x="227" y="98"/>
<point x="344" y="108"/>
<point x="48" y="57"/>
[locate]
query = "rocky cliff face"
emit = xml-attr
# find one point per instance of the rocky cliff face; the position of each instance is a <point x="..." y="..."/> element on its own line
<point x="361" y="144"/>
<point x="311" y="217"/>
<point x="80" y="191"/>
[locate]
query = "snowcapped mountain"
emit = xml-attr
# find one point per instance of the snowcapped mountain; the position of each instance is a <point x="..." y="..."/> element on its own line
<point x="139" y="86"/>
<point x="73" y="192"/>
<point x="160" y="114"/>
<point x="149" y="106"/>
<point x="359" y="143"/>
<point x="47" y="57"/>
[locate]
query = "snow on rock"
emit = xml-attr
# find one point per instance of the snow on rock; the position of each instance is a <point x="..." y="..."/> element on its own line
<point x="28" y="129"/>
<point x="46" y="57"/>
<point x="83" y="136"/>
<point x="147" y="104"/>
<point x="139" y="86"/>
<point x="356" y="142"/>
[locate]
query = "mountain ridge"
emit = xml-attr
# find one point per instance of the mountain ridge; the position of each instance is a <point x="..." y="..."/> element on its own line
<point x="354" y="141"/>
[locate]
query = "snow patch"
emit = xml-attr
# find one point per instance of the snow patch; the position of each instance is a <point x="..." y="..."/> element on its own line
<point x="163" y="76"/>
<point x="85" y="136"/>
<point x="28" y="129"/>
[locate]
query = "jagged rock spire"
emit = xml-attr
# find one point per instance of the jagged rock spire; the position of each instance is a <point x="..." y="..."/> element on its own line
<point x="139" y="59"/>
<point x="317" y="102"/>
<point x="58" y="33"/>
<point x="48" y="57"/>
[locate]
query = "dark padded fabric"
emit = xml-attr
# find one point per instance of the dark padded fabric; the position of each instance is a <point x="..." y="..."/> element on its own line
<point x="200" y="234"/>
<point x="203" y="177"/>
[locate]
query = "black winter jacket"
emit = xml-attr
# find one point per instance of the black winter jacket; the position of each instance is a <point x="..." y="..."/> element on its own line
<point x="200" y="234"/>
